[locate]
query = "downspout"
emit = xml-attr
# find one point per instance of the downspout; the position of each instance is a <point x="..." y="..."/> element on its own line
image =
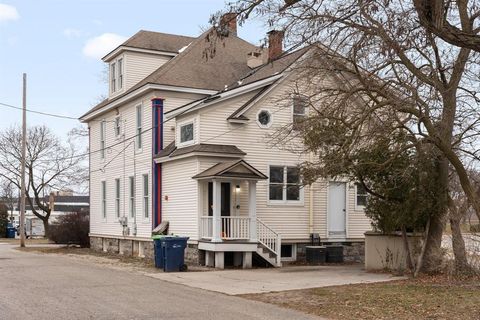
<point x="157" y="110"/>
<point x="310" y="198"/>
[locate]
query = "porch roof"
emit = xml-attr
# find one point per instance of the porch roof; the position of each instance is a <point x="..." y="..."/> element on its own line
<point x="237" y="169"/>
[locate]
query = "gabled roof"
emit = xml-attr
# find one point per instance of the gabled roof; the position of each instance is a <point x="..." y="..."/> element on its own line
<point x="158" y="41"/>
<point x="232" y="170"/>
<point x="209" y="63"/>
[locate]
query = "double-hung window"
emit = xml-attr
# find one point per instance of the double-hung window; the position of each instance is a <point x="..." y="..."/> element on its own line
<point x="104" y="199"/>
<point x="102" y="139"/>
<point x="146" y="200"/>
<point x="117" y="198"/>
<point x="361" y="195"/>
<point x="139" y="120"/>
<point x="300" y="110"/>
<point x="131" y="184"/>
<point x="284" y="184"/>
<point x="120" y="73"/>
<point x="113" y="77"/>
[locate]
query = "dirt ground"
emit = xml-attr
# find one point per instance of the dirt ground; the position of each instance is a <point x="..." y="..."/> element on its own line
<point x="424" y="298"/>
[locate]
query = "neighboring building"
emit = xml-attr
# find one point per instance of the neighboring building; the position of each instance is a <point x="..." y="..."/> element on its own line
<point x="64" y="202"/>
<point x="182" y="138"/>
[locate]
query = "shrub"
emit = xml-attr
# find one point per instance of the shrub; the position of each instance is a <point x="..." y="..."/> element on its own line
<point x="71" y="228"/>
<point x="475" y="228"/>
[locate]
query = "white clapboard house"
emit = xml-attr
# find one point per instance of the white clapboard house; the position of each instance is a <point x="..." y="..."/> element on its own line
<point x="183" y="138"/>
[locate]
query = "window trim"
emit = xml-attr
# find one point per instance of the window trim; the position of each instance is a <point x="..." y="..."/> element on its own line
<point x="103" y="195"/>
<point x="183" y="124"/>
<point x="284" y="201"/>
<point x="139" y="128"/>
<point x="146" y="197"/>
<point x="269" y="124"/>
<point x="306" y="112"/>
<point x="118" y="197"/>
<point x="120" y="77"/>
<point x="131" y="197"/>
<point x="359" y="207"/>
<point x="103" y="139"/>
<point x="293" y="257"/>
<point x="113" y="77"/>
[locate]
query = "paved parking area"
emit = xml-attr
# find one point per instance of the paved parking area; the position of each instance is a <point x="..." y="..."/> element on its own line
<point x="235" y="282"/>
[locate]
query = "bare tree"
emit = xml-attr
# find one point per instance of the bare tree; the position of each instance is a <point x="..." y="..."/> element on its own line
<point x="389" y="74"/>
<point x="50" y="165"/>
<point x="7" y="195"/>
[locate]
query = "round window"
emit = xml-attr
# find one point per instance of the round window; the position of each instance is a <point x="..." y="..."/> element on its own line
<point x="264" y="118"/>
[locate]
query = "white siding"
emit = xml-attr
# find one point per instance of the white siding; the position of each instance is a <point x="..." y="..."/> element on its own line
<point x="121" y="159"/>
<point x="140" y="65"/>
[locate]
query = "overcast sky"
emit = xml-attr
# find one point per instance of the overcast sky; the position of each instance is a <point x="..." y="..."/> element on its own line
<point x="59" y="45"/>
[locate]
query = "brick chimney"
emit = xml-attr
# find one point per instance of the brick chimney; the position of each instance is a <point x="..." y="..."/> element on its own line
<point x="229" y="22"/>
<point x="275" y="44"/>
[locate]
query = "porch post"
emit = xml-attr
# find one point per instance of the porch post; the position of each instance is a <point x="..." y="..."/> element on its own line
<point x="216" y="218"/>
<point x="252" y="209"/>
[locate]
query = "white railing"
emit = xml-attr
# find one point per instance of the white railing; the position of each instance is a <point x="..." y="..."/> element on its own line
<point x="270" y="239"/>
<point x="235" y="228"/>
<point x="206" y="227"/>
<point x="231" y="228"/>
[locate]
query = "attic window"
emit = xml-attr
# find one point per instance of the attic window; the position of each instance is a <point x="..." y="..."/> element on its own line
<point x="264" y="119"/>
<point x="300" y="110"/>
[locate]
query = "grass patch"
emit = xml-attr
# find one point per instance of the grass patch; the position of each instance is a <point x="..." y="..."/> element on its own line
<point x="425" y="298"/>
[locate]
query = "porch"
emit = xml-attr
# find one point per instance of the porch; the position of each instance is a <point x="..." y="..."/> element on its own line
<point x="224" y="223"/>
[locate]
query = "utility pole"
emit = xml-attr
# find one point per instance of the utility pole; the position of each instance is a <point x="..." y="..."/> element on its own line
<point x="24" y="147"/>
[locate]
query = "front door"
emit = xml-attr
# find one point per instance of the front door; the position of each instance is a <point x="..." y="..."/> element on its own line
<point x="225" y="204"/>
<point x="336" y="209"/>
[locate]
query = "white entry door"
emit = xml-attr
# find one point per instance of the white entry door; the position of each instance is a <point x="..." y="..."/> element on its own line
<point x="336" y="209"/>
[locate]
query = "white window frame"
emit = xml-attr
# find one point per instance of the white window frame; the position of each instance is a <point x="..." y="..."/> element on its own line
<point x="146" y="196"/>
<point x="359" y="207"/>
<point x="268" y="125"/>
<point x="179" y="136"/>
<point x="117" y="197"/>
<point x="113" y="77"/>
<point x="304" y="114"/>
<point x="103" y="194"/>
<point x="131" y="197"/>
<point x="284" y="201"/>
<point x="117" y="126"/>
<point x="120" y="68"/>
<point x="103" y="138"/>
<point x="138" y="127"/>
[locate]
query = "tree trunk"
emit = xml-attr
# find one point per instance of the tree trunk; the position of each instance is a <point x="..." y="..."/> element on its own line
<point x="45" y="226"/>
<point x="458" y="243"/>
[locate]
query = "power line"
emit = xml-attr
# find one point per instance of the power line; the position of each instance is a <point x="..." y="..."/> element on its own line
<point x="39" y="112"/>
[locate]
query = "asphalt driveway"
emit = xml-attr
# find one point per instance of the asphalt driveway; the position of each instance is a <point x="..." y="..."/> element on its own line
<point x="42" y="286"/>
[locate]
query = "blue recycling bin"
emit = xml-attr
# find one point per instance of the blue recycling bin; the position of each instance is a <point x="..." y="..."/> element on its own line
<point x="174" y="252"/>
<point x="158" y="250"/>
<point x="11" y="230"/>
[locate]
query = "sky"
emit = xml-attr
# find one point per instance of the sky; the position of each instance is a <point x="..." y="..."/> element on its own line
<point x="59" y="44"/>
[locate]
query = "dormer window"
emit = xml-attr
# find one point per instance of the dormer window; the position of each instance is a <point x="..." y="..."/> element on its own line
<point x="185" y="133"/>
<point x="116" y="75"/>
<point x="120" y="73"/>
<point x="113" y="77"/>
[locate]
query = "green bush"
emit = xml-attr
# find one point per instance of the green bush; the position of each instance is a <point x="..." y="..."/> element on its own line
<point x="71" y="228"/>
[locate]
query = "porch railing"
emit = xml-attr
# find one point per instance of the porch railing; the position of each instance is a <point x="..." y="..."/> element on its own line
<point x="235" y="228"/>
<point x="270" y="239"/>
<point x="206" y="227"/>
<point x="231" y="228"/>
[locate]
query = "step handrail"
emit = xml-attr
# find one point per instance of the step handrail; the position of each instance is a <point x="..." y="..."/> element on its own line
<point x="270" y="239"/>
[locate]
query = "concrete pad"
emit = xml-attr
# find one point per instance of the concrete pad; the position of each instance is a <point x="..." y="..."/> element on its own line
<point x="235" y="282"/>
